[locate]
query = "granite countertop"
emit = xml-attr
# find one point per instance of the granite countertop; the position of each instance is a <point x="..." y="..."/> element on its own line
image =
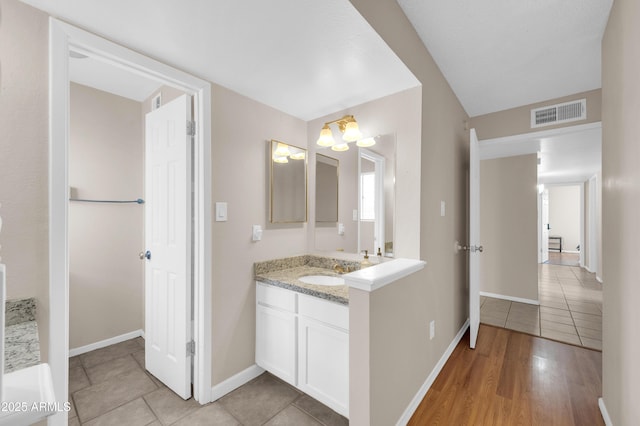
<point x="288" y="278"/>
<point x="21" y="346"/>
<point x="21" y="342"/>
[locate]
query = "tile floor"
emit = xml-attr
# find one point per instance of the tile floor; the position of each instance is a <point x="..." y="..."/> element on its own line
<point x="110" y="386"/>
<point x="570" y="308"/>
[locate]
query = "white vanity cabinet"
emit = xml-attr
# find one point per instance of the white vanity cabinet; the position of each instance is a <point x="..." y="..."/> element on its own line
<point x="323" y="352"/>
<point x="304" y="340"/>
<point x="276" y="336"/>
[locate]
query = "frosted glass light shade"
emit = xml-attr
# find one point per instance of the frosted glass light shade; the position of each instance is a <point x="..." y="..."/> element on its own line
<point x="297" y="156"/>
<point x="351" y="132"/>
<point x="326" y="137"/>
<point x="282" y="159"/>
<point x="366" y="142"/>
<point x="282" y="150"/>
<point x="340" y="147"/>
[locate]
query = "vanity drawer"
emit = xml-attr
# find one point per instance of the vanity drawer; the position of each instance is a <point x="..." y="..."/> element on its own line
<point x="324" y="311"/>
<point x="275" y="297"/>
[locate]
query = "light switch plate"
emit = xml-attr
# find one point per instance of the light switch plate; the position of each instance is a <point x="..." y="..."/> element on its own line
<point x="341" y="229"/>
<point x="221" y="212"/>
<point x="442" y="208"/>
<point x="256" y="233"/>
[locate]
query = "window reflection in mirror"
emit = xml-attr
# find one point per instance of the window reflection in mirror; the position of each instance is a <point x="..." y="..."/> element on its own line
<point x="288" y="183"/>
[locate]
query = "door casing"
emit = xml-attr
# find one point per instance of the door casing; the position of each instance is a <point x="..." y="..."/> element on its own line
<point x="63" y="38"/>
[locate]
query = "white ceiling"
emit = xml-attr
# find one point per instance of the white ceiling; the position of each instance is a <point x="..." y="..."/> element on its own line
<point x="500" y="54"/>
<point x="102" y="76"/>
<point x="569" y="156"/>
<point x="306" y="58"/>
<point x="311" y="58"/>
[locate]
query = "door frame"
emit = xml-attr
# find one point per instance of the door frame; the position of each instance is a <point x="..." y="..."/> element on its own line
<point x="379" y="162"/>
<point x="62" y="38"/>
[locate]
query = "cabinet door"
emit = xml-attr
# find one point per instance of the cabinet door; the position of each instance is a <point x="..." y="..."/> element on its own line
<point x="276" y="342"/>
<point x="323" y="357"/>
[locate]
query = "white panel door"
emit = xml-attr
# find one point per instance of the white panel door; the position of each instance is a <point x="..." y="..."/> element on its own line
<point x="474" y="238"/>
<point x="168" y="244"/>
<point x="544" y="207"/>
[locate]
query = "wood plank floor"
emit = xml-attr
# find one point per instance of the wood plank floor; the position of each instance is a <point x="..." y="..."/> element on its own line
<point x="513" y="378"/>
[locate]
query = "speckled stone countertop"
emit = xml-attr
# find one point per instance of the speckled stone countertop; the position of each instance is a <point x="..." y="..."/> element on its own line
<point x="21" y="346"/>
<point x="22" y="343"/>
<point x="285" y="273"/>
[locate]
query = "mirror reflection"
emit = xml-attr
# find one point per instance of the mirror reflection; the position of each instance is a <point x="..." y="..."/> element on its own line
<point x="288" y="188"/>
<point x="327" y="180"/>
<point x="366" y="199"/>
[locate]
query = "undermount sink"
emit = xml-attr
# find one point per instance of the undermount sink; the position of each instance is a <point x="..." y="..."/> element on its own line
<point x="322" y="280"/>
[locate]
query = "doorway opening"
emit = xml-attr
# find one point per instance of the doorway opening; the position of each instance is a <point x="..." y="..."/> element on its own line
<point x="64" y="40"/>
<point x="566" y="301"/>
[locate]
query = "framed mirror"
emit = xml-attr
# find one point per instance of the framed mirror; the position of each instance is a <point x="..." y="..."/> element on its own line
<point x="366" y="194"/>
<point x="288" y="183"/>
<point x="327" y="178"/>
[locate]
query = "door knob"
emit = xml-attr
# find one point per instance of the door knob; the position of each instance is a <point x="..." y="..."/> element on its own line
<point x="476" y="248"/>
<point x="145" y="255"/>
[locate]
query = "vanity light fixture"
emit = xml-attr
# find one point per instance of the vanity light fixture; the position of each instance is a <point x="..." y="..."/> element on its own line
<point x="366" y="142"/>
<point x="350" y="133"/>
<point x="282" y="150"/>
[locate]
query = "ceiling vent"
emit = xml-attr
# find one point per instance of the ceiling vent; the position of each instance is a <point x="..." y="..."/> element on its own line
<point x="559" y="113"/>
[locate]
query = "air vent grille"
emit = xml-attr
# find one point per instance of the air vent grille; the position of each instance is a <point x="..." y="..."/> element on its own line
<point x="560" y="113"/>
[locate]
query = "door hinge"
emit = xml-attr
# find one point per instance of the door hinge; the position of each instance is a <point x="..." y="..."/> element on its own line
<point x="191" y="348"/>
<point x="191" y="128"/>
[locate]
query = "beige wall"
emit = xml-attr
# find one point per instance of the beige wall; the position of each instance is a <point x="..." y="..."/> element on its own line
<point x="620" y="212"/>
<point x="509" y="226"/>
<point x="443" y="162"/>
<point x="106" y="161"/>
<point x="240" y="177"/>
<point x="564" y="214"/>
<point x="586" y="249"/>
<point x="383" y="325"/>
<point x="397" y="114"/>
<point x="517" y="121"/>
<point x="599" y="224"/>
<point x="24" y="156"/>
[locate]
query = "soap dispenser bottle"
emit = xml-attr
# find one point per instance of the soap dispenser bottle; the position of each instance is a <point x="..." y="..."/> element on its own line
<point x="365" y="262"/>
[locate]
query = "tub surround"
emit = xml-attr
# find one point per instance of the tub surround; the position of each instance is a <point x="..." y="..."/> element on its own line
<point x="286" y="272"/>
<point x="21" y="341"/>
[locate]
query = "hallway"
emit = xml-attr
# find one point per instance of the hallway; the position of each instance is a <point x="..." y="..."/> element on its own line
<point x="512" y="378"/>
<point x="570" y="308"/>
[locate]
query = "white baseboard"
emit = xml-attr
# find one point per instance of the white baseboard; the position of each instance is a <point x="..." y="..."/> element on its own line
<point x="588" y="269"/>
<point x="417" y="399"/>
<point x="234" y="382"/>
<point x="107" y="342"/>
<point x="604" y="412"/>
<point x="511" y="298"/>
<point x="570" y="251"/>
<point x="599" y="279"/>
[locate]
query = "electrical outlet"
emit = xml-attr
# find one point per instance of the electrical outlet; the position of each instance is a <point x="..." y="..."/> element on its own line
<point x="432" y="330"/>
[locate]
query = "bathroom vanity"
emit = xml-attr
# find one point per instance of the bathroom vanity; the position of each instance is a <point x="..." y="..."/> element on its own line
<point x="302" y="329"/>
